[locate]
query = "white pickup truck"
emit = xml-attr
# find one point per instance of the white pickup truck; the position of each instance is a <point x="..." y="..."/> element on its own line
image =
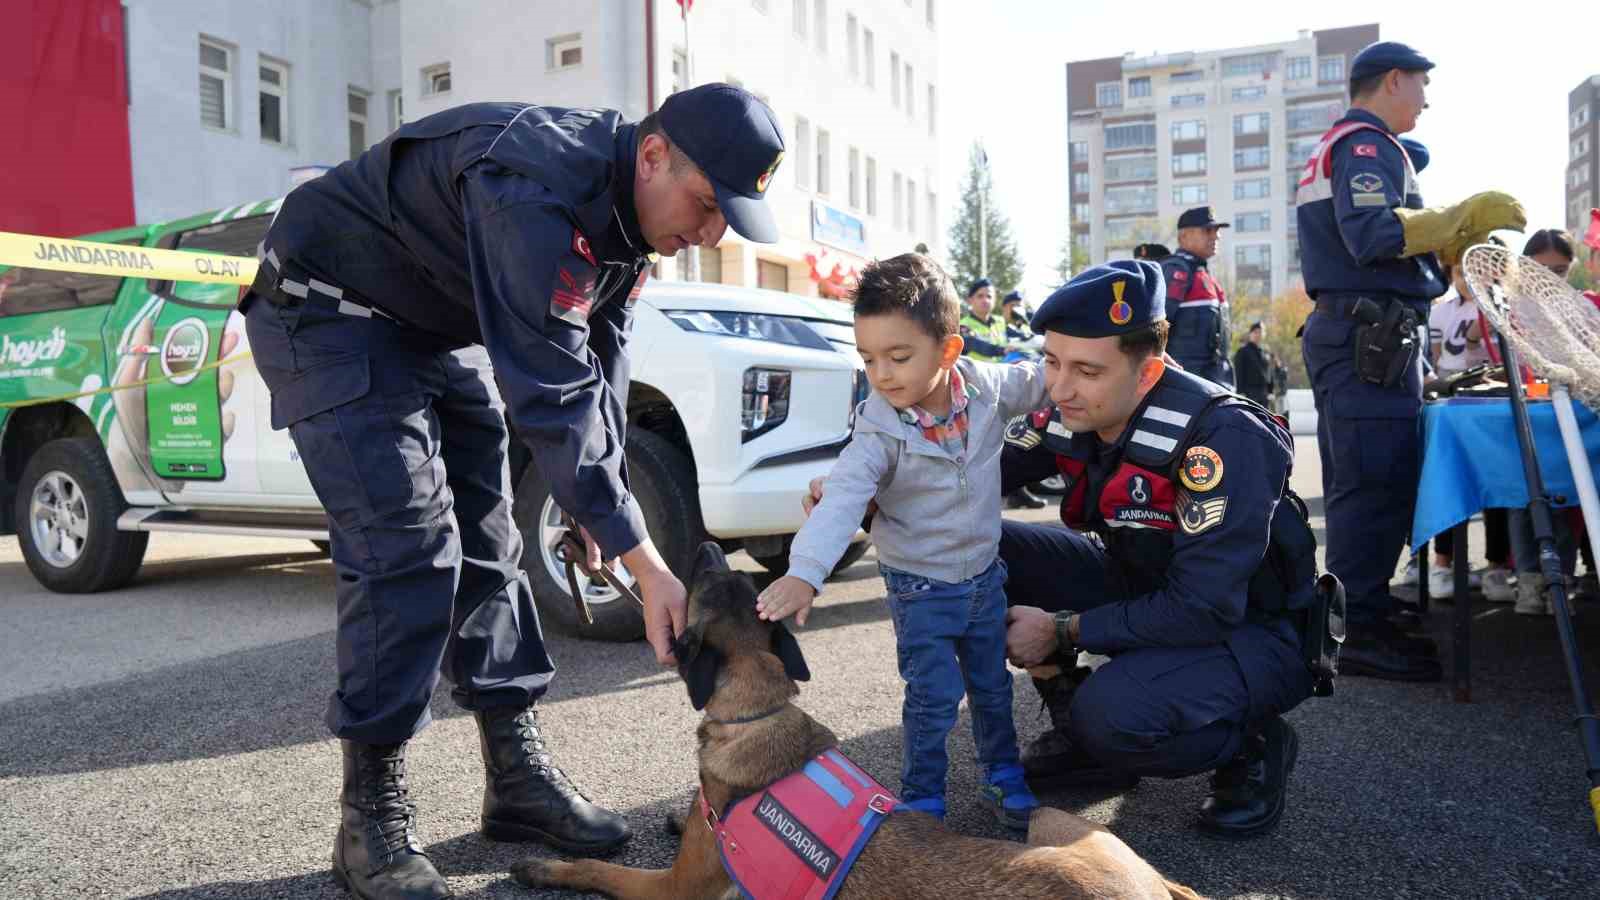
<point x="739" y="398"/>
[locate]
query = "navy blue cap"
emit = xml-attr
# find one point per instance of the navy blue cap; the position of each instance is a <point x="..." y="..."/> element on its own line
<point x="978" y="285"/>
<point x="1385" y="55"/>
<point x="735" y="140"/>
<point x="1199" y="217"/>
<point x="1118" y="297"/>
<point x="1418" y="151"/>
<point x="1013" y="297"/>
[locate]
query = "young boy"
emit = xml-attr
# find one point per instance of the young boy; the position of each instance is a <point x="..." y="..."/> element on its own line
<point x="927" y="447"/>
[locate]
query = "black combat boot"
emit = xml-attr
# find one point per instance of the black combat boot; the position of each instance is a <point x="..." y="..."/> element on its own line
<point x="376" y="855"/>
<point x="1249" y="793"/>
<point x="526" y="798"/>
<point x="1052" y="760"/>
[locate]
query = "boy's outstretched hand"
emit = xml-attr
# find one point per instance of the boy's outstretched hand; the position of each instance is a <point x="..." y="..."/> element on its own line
<point x="788" y="595"/>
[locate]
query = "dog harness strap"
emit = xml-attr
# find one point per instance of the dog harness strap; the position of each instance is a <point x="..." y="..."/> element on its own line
<point x="798" y="838"/>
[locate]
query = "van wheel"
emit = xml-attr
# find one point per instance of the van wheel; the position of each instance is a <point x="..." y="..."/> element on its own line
<point x="779" y="563"/>
<point x="67" y="507"/>
<point x="664" y="486"/>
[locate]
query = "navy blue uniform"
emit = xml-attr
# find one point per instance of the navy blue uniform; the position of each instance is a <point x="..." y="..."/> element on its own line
<point x="1350" y="246"/>
<point x="1168" y="531"/>
<point x="500" y="234"/>
<point x="1197" y="310"/>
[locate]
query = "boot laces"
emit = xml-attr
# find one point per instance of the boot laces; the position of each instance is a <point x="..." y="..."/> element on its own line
<point x="539" y="758"/>
<point x="391" y="813"/>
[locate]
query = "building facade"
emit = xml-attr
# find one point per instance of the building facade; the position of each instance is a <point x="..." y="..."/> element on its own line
<point x="1583" y="153"/>
<point x="1149" y="137"/>
<point x="232" y="101"/>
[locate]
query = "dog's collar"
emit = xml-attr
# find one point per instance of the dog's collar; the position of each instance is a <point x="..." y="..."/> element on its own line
<point x="745" y="720"/>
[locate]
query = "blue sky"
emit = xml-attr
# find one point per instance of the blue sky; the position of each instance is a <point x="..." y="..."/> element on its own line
<point x="1498" y="102"/>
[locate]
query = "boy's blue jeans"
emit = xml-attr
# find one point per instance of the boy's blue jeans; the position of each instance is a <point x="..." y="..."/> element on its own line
<point x="951" y="640"/>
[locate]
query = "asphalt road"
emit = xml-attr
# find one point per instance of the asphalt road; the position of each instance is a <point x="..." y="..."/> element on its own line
<point x="166" y="740"/>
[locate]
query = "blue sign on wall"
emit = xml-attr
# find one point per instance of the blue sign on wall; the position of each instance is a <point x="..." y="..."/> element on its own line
<point x="838" y="228"/>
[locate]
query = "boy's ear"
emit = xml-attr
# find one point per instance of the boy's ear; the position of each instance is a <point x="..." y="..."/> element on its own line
<point x="950" y="350"/>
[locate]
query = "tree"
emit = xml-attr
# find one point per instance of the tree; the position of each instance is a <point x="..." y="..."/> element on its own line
<point x="1280" y="318"/>
<point x="1578" y="276"/>
<point x="1005" y="264"/>
<point x="1074" y="259"/>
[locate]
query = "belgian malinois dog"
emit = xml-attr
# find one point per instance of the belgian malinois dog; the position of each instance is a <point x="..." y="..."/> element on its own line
<point x="742" y="672"/>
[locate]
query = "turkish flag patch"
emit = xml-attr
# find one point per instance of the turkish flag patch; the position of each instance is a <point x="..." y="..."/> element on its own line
<point x="1367" y="150"/>
<point x="572" y="295"/>
<point x="580" y="246"/>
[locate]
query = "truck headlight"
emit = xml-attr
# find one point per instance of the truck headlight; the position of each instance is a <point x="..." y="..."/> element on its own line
<point x="755" y="326"/>
<point x="765" y="401"/>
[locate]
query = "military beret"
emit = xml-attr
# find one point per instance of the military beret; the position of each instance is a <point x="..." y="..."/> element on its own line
<point x="979" y="285"/>
<point x="1418" y="151"/>
<point x="1375" y="59"/>
<point x="1118" y="297"/>
<point x="1012" y="297"/>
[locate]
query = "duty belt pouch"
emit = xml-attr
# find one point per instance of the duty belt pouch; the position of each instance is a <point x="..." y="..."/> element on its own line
<point x="1322" y="633"/>
<point x="1384" y="348"/>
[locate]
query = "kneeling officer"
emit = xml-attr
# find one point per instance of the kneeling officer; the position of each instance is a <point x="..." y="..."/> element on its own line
<point x="492" y="233"/>
<point x="1186" y="560"/>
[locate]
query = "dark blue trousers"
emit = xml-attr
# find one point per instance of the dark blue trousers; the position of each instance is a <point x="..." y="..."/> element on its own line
<point x="1161" y="711"/>
<point x="403" y="436"/>
<point x="1371" y="450"/>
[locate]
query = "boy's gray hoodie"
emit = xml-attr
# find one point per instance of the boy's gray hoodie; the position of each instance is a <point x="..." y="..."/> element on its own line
<point x="938" y="512"/>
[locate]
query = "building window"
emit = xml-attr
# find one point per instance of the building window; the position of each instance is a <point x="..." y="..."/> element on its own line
<point x="1078" y="151"/>
<point x="1108" y="94"/>
<point x="1080" y="213"/>
<point x="1180" y="101"/>
<point x="872" y="186"/>
<point x="894" y="79"/>
<point x="1080" y="182"/>
<point x="436" y="79"/>
<point x="1130" y="168"/>
<point x="1252" y="123"/>
<point x="1132" y="199"/>
<point x="357" y="103"/>
<point x="1139" y="87"/>
<point x="1139" y="134"/>
<point x="1251" y="158"/>
<point x="1580" y="118"/>
<point x="1252" y="222"/>
<point x="824" y="153"/>
<point x="1299" y="68"/>
<point x="1300" y="150"/>
<point x="1580" y="146"/>
<point x="1252" y="189"/>
<point x="852" y="44"/>
<point x="897" y="196"/>
<point x="802" y="146"/>
<point x="1188" y="163"/>
<point x="1187" y="195"/>
<point x="911" y="94"/>
<point x="216" y="84"/>
<point x="1181" y="77"/>
<point x="819" y="24"/>
<point x="1314" y="117"/>
<point x="773" y="276"/>
<point x="1247" y="94"/>
<point x="274" y="97"/>
<point x="1578" y="177"/>
<point x="800" y="18"/>
<point x="1121" y="232"/>
<point x="1189" y="130"/>
<point x="911" y="205"/>
<point x="1251" y="64"/>
<point x="397" y="109"/>
<point x="853" y="164"/>
<point x="1330" y="69"/>
<point x="1252" y="256"/>
<point x="710" y="265"/>
<point x="932" y="106"/>
<point x="564" y="52"/>
<point x="869" y="57"/>
<point x="1082" y="241"/>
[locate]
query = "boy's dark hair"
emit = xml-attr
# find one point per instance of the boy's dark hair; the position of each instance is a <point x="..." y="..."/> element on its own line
<point x="1148" y="341"/>
<point x="913" y="285"/>
<point x="1549" y="239"/>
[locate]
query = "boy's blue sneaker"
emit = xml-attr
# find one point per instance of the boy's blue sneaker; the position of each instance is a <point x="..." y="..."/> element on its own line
<point x="933" y="806"/>
<point x="1008" y="795"/>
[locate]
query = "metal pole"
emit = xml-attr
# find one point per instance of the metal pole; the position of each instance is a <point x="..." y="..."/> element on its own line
<point x="1555" y="581"/>
<point x="688" y="82"/>
<point x="983" y="217"/>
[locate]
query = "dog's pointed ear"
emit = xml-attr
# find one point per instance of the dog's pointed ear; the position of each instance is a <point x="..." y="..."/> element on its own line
<point x="698" y="665"/>
<point x="709" y="558"/>
<point x="787" y="650"/>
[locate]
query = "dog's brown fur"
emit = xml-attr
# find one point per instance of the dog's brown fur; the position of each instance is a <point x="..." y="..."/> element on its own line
<point x="911" y="855"/>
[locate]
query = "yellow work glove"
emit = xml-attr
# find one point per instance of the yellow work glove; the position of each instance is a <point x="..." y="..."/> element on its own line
<point x="1448" y="230"/>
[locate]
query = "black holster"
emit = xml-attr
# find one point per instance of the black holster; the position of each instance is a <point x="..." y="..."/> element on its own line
<point x="1386" y="341"/>
<point x="1322" y="632"/>
<point x="1287" y="585"/>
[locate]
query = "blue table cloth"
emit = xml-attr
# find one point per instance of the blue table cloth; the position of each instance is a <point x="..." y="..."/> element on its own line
<point x="1471" y="462"/>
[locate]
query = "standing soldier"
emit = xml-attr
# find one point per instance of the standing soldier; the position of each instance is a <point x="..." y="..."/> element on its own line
<point x="1196" y="306"/>
<point x="1252" y="367"/>
<point x="1371" y="256"/>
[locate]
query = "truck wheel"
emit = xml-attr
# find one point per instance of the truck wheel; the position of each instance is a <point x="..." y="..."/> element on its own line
<point x="67" y="508"/>
<point x="665" y="488"/>
<point x="779" y="564"/>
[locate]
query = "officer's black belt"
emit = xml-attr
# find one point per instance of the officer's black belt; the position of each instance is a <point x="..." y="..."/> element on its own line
<point x="1343" y="305"/>
<point x="288" y="285"/>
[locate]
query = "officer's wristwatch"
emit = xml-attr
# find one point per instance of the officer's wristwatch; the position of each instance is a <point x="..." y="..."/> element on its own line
<point x="1064" y="641"/>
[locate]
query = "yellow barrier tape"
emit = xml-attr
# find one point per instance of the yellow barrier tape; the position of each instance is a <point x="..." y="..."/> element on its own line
<point x="63" y="255"/>
<point x="112" y="389"/>
<point x="1594" y="804"/>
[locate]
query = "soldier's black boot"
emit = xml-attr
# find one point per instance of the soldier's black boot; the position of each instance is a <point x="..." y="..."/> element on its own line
<point x="1249" y="793"/>
<point x="376" y="855"/>
<point x="1052" y="760"/>
<point x="526" y="798"/>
